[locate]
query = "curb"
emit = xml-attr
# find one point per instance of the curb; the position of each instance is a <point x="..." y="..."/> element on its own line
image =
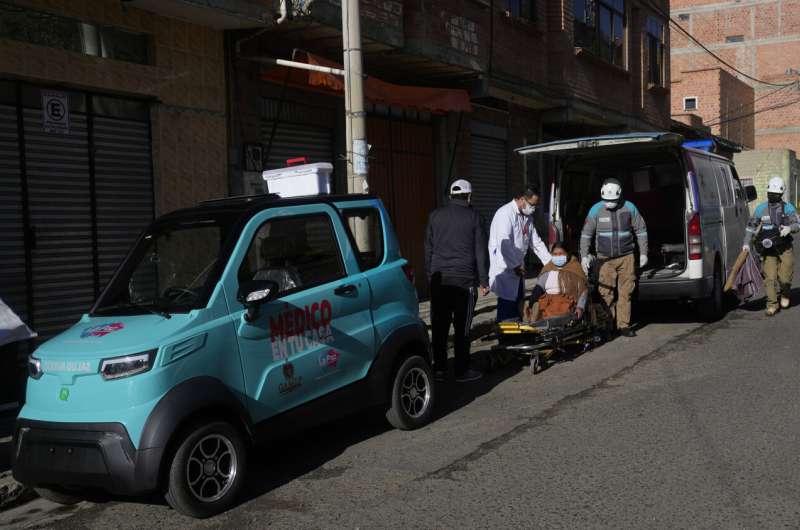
<point x="12" y="493"/>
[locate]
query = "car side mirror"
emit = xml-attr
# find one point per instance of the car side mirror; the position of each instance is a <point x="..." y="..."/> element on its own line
<point x="751" y="193"/>
<point x="253" y="294"/>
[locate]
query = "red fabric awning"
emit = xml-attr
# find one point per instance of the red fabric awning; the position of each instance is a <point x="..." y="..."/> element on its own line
<point x="436" y="100"/>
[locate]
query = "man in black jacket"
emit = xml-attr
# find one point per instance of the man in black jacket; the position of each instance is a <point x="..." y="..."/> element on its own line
<point x="457" y="263"/>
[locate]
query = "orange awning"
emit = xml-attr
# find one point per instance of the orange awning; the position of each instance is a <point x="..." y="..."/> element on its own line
<point x="435" y="100"/>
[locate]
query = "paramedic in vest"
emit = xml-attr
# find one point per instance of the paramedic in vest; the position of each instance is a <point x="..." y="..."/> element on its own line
<point x="456" y="262"/>
<point x="511" y="234"/>
<point x="615" y="226"/>
<point x="778" y="261"/>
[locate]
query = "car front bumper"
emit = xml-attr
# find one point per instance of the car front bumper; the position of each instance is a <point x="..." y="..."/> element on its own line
<point x="82" y="456"/>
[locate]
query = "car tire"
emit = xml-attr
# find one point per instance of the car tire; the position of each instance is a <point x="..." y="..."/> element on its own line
<point x="712" y="308"/>
<point x="207" y="470"/>
<point x="413" y="393"/>
<point x="60" y="496"/>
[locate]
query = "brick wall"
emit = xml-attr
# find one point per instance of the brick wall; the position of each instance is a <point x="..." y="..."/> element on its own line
<point x="771" y="46"/>
<point x="187" y="83"/>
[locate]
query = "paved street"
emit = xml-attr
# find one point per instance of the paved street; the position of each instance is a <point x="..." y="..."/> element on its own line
<point x="685" y="426"/>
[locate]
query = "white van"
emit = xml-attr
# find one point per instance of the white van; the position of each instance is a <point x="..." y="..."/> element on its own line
<point x="692" y="201"/>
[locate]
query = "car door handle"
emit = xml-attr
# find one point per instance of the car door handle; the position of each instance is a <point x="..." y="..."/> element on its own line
<point x="345" y="289"/>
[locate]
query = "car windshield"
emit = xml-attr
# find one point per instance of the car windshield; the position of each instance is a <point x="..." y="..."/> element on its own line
<point x="172" y="269"/>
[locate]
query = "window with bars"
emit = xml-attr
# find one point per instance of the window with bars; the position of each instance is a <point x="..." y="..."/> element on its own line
<point x="600" y="27"/>
<point x="519" y="9"/>
<point x="55" y="31"/>
<point x="654" y="50"/>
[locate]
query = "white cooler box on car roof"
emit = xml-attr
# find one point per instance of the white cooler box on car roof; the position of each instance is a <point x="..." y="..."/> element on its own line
<point x="300" y="181"/>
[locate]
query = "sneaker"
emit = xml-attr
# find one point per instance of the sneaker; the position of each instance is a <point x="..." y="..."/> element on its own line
<point x="772" y="311"/>
<point x="469" y="375"/>
<point x="785" y="302"/>
<point x="440" y="376"/>
<point x="627" y="332"/>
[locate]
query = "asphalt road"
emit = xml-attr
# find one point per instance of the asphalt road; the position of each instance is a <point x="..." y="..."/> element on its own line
<point x="685" y="426"/>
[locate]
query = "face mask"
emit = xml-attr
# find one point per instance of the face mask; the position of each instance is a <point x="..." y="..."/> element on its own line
<point x="611" y="204"/>
<point x="559" y="261"/>
<point x="774" y="197"/>
<point x="528" y="209"/>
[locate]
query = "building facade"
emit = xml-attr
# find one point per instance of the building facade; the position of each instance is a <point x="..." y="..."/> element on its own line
<point x="760" y="38"/>
<point x="712" y="92"/>
<point x="531" y="72"/>
<point x="110" y="113"/>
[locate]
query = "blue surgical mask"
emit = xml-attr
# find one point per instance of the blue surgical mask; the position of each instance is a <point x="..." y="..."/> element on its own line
<point x="559" y="261"/>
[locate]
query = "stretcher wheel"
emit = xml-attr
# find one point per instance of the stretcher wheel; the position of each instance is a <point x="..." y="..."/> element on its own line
<point x="536" y="364"/>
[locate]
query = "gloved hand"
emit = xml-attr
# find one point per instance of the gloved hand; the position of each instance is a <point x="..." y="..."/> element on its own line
<point x="746" y="248"/>
<point x="586" y="263"/>
<point x="642" y="261"/>
<point x="785" y="231"/>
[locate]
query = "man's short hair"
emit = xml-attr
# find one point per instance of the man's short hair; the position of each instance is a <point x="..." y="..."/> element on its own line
<point x="527" y="192"/>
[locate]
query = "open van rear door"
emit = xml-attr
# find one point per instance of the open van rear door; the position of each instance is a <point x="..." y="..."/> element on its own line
<point x="594" y="144"/>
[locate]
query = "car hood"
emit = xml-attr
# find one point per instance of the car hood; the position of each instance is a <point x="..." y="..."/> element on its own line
<point x="95" y="338"/>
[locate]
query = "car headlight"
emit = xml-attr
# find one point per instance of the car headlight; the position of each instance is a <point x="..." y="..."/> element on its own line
<point x="34" y="367"/>
<point x="127" y="365"/>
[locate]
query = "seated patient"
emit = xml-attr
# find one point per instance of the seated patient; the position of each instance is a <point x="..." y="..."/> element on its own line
<point x="561" y="288"/>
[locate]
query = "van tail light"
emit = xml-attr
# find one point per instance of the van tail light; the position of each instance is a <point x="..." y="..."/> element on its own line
<point x="409" y="271"/>
<point x="695" y="237"/>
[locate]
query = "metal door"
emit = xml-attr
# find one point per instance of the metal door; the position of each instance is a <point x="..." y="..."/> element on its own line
<point x="488" y="175"/>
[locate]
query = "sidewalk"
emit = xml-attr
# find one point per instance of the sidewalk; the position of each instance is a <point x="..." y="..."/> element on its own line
<point x="484" y="315"/>
<point x="11" y="491"/>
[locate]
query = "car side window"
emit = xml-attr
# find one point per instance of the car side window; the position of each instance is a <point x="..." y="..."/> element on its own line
<point x="724" y="183"/>
<point x="296" y="252"/>
<point x="366" y="230"/>
<point x="738" y="188"/>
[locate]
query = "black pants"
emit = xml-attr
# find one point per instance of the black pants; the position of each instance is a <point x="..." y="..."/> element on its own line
<point x="451" y="305"/>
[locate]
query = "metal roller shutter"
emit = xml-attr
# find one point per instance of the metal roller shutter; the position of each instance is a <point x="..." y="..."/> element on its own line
<point x="12" y="242"/>
<point x="488" y="175"/>
<point x="294" y="140"/>
<point x="59" y="198"/>
<point x="123" y="188"/>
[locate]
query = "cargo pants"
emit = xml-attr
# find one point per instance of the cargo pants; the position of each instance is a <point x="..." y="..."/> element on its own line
<point x="778" y="272"/>
<point x="618" y="276"/>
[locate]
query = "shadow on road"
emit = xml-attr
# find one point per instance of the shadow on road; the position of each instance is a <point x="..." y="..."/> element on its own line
<point x="282" y="462"/>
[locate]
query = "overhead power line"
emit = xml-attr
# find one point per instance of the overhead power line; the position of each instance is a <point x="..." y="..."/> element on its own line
<point x="720" y="59"/>
<point x="759" y="111"/>
<point x="714" y="120"/>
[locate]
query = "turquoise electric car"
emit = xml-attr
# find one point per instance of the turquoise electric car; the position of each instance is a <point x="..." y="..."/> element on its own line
<point x="230" y="323"/>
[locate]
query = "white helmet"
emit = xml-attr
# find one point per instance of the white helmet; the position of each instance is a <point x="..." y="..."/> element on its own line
<point x="611" y="190"/>
<point x="776" y="185"/>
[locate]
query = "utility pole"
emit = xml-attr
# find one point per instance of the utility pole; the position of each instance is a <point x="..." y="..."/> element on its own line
<point x="355" y="117"/>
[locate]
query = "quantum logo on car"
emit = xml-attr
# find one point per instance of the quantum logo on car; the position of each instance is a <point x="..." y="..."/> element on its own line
<point x="75" y="367"/>
<point x="298" y="329"/>
<point x="102" y="330"/>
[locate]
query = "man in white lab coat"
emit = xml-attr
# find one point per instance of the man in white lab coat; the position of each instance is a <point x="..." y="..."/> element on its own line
<point x="511" y="235"/>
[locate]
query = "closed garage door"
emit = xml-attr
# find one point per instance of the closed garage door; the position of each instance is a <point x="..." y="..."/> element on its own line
<point x="293" y="140"/>
<point x="488" y="172"/>
<point x="72" y="203"/>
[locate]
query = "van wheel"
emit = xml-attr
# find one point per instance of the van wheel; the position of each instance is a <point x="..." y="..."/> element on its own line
<point x="59" y="496"/>
<point x="712" y="308"/>
<point x="412" y="395"/>
<point x="207" y="472"/>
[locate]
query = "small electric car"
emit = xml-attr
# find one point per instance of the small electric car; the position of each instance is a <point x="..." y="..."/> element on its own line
<point x="227" y="324"/>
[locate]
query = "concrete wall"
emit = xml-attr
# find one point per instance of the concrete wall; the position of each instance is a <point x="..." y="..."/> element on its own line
<point x="762" y="164"/>
<point x="186" y="84"/>
<point x="770" y="46"/>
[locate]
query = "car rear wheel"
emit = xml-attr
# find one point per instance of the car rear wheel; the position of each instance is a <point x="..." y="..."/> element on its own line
<point x="60" y="496"/>
<point x="412" y="394"/>
<point x="207" y="471"/>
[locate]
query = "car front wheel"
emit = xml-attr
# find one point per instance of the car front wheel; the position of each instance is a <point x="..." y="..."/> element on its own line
<point x="412" y="394"/>
<point x="207" y="471"/>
